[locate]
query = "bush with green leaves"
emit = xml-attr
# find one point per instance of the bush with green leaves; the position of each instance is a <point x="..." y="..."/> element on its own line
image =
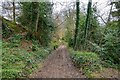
<point x="107" y="45"/>
<point x="87" y="61"/>
<point x="111" y="47"/>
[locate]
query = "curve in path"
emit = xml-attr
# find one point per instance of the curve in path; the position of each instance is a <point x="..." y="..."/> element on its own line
<point x="58" y="65"/>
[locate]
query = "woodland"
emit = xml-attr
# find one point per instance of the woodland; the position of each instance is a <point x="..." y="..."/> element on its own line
<point x="30" y="32"/>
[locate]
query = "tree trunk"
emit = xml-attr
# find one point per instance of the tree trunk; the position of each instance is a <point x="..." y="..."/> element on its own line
<point x="87" y="22"/>
<point x="77" y="24"/>
<point x="13" y="10"/>
<point x="37" y="20"/>
<point x="109" y="14"/>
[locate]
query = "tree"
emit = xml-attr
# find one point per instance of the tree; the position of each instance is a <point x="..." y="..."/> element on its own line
<point x="116" y="13"/>
<point x="39" y="16"/>
<point x="87" y="22"/>
<point x="13" y="3"/>
<point x="77" y="24"/>
<point x="9" y="10"/>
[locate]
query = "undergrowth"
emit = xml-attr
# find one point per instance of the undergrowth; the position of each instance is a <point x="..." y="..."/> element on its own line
<point x="18" y="62"/>
<point x="88" y="62"/>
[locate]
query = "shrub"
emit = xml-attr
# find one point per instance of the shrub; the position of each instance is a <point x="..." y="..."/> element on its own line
<point x="111" y="47"/>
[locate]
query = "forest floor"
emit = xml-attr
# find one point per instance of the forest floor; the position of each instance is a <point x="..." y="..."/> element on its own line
<point x="58" y="65"/>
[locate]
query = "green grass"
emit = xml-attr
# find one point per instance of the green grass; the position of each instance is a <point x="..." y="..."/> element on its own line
<point x="18" y="62"/>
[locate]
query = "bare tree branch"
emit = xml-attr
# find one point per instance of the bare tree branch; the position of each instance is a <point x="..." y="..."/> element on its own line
<point x="101" y="18"/>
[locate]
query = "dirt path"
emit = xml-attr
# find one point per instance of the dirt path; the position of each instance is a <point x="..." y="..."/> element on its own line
<point x="58" y="65"/>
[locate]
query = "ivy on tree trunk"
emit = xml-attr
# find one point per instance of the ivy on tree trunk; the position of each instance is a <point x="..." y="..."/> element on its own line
<point x="77" y="24"/>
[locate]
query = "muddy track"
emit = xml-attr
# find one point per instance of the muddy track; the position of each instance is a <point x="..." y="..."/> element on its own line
<point x="58" y="65"/>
